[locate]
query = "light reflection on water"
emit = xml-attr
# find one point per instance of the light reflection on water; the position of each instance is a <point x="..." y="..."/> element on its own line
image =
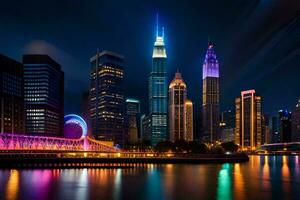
<point x="224" y="183"/>
<point x="12" y="185"/>
<point x="262" y="177"/>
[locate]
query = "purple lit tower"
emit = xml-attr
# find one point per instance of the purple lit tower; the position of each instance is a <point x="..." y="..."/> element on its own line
<point x="211" y="96"/>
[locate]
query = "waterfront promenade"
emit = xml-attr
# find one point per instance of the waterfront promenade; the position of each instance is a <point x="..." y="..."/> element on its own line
<point x="63" y="159"/>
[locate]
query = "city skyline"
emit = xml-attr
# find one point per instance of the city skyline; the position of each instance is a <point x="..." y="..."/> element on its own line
<point x="110" y="99"/>
<point x="260" y="71"/>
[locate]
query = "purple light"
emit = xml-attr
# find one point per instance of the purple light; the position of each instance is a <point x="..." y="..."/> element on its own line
<point x="211" y="64"/>
<point x="76" y="120"/>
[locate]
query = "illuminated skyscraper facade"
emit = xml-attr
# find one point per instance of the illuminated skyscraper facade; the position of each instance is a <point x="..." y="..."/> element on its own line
<point x="43" y="95"/>
<point x="158" y="91"/>
<point x="210" y="96"/>
<point x="11" y="96"/>
<point x="177" y="98"/>
<point x="248" y="120"/>
<point x="107" y="103"/>
<point x="188" y="120"/>
<point x="296" y="123"/>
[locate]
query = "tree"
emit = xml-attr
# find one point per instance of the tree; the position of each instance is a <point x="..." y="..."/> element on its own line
<point x="181" y="146"/>
<point x="198" y="147"/>
<point x="230" y="146"/>
<point x="165" y="146"/>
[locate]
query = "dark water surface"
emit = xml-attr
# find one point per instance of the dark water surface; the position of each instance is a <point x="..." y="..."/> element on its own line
<point x="263" y="177"/>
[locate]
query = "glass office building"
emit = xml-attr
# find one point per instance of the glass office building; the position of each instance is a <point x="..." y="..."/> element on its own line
<point x="107" y="103"/>
<point x="210" y="96"/>
<point x="158" y="91"/>
<point x="133" y="119"/>
<point x="43" y="95"/>
<point x="248" y="120"/>
<point x="11" y="96"/>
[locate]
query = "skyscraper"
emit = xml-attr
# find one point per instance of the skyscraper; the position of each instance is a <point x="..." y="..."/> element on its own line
<point x="227" y="126"/>
<point x="107" y="103"/>
<point x="265" y="129"/>
<point x="285" y="125"/>
<point x="44" y="95"/>
<point x="188" y="120"/>
<point x="177" y="98"/>
<point x="11" y="96"/>
<point x="210" y="96"/>
<point x="158" y="91"/>
<point x="248" y="120"/>
<point x="85" y="110"/>
<point x="146" y="128"/>
<point x="296" y="123"/>
<point x="133" y="119"/>
<point x="275" y="136"/>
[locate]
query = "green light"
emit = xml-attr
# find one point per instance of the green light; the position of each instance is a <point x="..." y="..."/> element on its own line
<point x="224" y="183"/>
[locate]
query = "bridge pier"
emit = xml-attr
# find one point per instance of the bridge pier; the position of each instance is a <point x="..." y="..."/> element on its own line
<point x="85" y="143"/>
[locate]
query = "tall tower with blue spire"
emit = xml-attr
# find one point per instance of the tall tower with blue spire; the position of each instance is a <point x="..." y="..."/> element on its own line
<point x="210" y="96"/>
<point x="158" y="90"/>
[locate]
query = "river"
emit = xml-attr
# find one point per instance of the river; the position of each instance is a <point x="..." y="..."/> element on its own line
<point x="263" y="177"/>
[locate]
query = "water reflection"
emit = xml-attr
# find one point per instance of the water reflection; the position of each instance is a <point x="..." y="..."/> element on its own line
<point x="12" y="185"/>
<point x="82" y="191"/>
<point x="262" y="178"/>
<point x="117" y="184"/>
<point x="297" y="165"/>
<point x="239" y="185"/>
<point x="154" y="188"/>
<point x="224" y="183"/>
<point x="266" y="174"/>
<point x="285" y="173"/>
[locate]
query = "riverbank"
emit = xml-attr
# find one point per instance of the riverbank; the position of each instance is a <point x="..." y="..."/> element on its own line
<point x="113" y="162"/>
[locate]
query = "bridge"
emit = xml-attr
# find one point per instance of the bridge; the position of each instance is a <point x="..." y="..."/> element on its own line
<point x="10" y="141"/>
<point x="280" y="148"/>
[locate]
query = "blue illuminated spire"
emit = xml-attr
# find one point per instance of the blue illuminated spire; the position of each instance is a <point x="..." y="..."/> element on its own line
<point x="156" y="25"/>
<point x="157" y="28"/>
<point x="159" y="50"/>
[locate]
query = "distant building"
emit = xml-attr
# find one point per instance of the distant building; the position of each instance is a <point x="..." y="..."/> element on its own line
<point x="146" y="128"/>
<point x="227" y="126"/>
<point x="85" y="110"/>
<point x="107" y="103"/>
<point x="285" y="125"/>
<point x="210" y="96"/>
<point x="133" y="115"/>
<point x="177" y="98"/>
<point x="248" y="120"/>
<point x="265" y="129"/>
<point x="228" y="119"/>
<point x="296" y="123"/>
<point x="189" y="120"/>
<point x="158" y="92"/>
<point x="227" y="134"/>
<point x="275" y="134"/>
<point x="44" y="95"/>
<point x="11" y="96"/>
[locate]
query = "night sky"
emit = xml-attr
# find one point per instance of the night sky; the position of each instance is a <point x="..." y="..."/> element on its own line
<point x="257" y="43"/>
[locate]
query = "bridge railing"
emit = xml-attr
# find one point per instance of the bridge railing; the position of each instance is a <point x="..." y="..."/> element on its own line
<point x="10" y="141"/>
